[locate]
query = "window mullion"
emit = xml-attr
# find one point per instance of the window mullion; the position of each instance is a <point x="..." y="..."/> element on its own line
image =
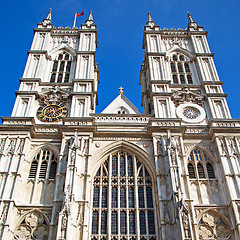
<point x="118" y="192"/>
<point x="109" y="197"/>
<point x="198" y="180"/>
<point x="137" y="227"/>
<point x="100" y="200"/>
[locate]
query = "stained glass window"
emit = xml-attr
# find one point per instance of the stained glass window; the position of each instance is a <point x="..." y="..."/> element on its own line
<point x="95" y="222"/>
<point x="96" y="197"/>
<point x="127" y="184"/>
<point x="132" y="229"/>
<point x="142" y="223"/>
<point x="104" y="222"/>
<point x="123" y="197"/>
<point x="114" y="223"/>
<point x="131" y="197"/>
<point x="114" y="197"/>
<point x="123" y="223"/>
<point x="141" y="197"/>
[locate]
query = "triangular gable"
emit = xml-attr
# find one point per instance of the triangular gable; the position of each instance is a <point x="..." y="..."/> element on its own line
<point x="121" y="105"/>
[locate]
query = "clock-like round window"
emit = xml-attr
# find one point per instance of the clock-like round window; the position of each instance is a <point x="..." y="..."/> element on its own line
<point x="191" y="113"/>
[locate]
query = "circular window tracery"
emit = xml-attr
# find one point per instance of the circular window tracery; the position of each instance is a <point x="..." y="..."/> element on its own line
<point x="191" y="113"/>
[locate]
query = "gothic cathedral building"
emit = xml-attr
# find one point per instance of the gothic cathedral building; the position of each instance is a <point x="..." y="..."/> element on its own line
<point x="69" y="173"/>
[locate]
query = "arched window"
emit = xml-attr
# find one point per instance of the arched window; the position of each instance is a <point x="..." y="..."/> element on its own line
<point x="181" y="73"/>
<point x="191" y="171"/>
<point x="123" y="199"/>
<point x="44" y="165"/>
<point x="33" y="169"/>
<point x="200" y="169"/>
<point x="61" y="68"/>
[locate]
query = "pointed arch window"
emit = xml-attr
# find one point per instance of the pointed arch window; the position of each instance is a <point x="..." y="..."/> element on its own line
<point x="61" y="68"/>
<point x="180" y="68"/>
<point x="129" y="204"/>
<point x="202" y="176"/>
<point x="44" y="165"/>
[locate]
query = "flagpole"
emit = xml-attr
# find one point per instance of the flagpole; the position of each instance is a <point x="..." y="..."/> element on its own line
<point x="74" y="23"/>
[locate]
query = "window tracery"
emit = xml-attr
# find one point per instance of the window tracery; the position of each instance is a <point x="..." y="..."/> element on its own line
<point x="61" y="68"/>
<point x="203" y="182"/>
<point x="212" y="226"/>
<point x="44" y="165"/>
<point x="180" y="69"/>
<point x="122" y="193"/>
<point x="33" y="226"/>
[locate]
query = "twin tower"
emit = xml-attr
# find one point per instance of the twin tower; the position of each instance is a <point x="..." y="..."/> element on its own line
<point x="170" y="173"/>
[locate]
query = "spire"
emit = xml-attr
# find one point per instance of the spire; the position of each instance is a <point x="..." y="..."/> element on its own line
<point x="149" y="17"/>
<point x="192" y="25"/>
<point x="90" y="17"/>
<point x="49" y="16"/>
<point x="150" y="25"/>
<point x="47" y="22"/>
<point x="190" y="19"/>
<point x="90" y="21"/>
<point x="150" y="22"/>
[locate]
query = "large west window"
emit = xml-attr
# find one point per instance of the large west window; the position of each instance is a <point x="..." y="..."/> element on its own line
<point x="122" y="201"/>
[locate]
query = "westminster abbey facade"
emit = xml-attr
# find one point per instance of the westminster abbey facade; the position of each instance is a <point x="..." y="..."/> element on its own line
<point x="170" y="173"/>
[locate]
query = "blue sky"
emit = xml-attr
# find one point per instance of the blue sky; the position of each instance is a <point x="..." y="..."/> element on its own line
<point x="120" y="30"/>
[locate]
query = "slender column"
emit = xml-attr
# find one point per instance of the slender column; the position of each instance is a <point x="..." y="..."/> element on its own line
<point x="56" y="202"/>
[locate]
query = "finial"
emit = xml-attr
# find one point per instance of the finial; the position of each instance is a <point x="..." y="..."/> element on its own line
<point x="90" y="17"/>
<point x="121" y="90"/>
<point x="190" y="19"/>
<point x="49" y="16"/>
<point x="89" y="21"/>
<point x="149" y="17"/>
<point x="150" y="22"/>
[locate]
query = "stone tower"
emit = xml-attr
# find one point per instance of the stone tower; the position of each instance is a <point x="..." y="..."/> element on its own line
<point x="67" y="172"/>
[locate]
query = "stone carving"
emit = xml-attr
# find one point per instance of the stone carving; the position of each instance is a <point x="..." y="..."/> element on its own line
<point x="185" y="221"/>
<point x="65" y="40"/>
<point x="166" y="213"/>
<point x="32" y="226"/>
<point x="160" y="147"/>
<point x="232" y="146"/>
<point x="211" y="226"/>
<point x="56" y="93"/>
<point x="223" y="147"/>
<point x="3" y="217"/>
<point x="2" y="145"/>
<point x="20" y="146"/>
<point x="11" y="146"/>
<point x="185" y="95"/>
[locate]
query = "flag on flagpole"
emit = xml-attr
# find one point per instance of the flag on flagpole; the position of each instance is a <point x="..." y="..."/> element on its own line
<point x="77" y="15"/>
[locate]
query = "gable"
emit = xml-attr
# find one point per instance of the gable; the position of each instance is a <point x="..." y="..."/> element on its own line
<point x="121" y="105"/>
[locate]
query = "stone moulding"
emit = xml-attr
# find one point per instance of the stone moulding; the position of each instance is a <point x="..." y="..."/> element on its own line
<point x="121" y="119"/>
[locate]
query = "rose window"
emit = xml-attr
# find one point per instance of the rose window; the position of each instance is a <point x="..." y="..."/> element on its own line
<point x="191" y="113"/>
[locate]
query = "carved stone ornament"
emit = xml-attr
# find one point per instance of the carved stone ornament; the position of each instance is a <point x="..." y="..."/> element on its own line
<point x="56" y="93"/>
<point x="32" y="226"/>
<point x="212" y="226"/>
<point x="185" y="95"/>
